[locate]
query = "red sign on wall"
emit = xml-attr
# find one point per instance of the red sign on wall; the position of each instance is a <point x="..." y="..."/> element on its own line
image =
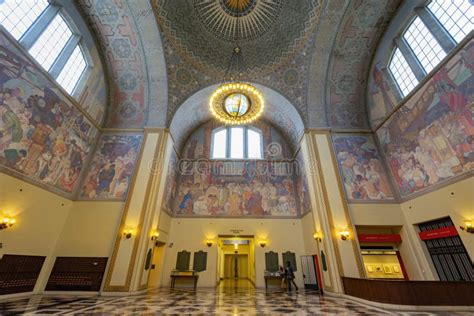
<point x="379" y="238"/>
<point x="438" y="233"/>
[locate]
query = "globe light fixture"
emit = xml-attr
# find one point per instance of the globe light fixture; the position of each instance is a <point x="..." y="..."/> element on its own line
<point x="235" y="101"/>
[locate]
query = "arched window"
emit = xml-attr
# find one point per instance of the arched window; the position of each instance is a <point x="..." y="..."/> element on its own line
<point x="49" y="36"/>
<point x="431" y="35"/>
<point x="240" y="142"/>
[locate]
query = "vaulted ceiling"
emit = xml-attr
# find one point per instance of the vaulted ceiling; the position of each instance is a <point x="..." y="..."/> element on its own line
<point x="315" y="53"/>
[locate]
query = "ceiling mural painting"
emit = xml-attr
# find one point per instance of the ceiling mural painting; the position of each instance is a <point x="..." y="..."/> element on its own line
<point x="131" y="46"/>
<point x="363" y="25"/>
<point x="314" y="53"/>
<point x="275" y="37"/>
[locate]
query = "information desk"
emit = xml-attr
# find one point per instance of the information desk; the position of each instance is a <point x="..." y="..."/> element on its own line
<point x="191" y="274"/>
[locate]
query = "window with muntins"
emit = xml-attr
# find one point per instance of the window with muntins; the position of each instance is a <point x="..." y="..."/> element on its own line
<point x="422" y="51"/>
<point x="239" y="142"/>
<point x="425" y="47"/>
<point x="52" y="42"/>
<point x="402" y="73"/>
<point x="17" y="16"/>
<point x="456" y="16"/>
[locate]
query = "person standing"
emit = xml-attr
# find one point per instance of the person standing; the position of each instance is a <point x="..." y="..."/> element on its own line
<point x="290" y="276"/>
<point x="282" y="276"/>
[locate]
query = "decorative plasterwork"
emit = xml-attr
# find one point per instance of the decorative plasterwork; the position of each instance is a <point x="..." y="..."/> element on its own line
<point x="130" y="41"/>
<point x="316" y="55"/>
<point x="197" y="57"/>
<point x="363" y="25"/>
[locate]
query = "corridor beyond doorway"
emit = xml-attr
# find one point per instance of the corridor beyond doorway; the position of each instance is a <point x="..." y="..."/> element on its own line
<point x="236" y="261"/>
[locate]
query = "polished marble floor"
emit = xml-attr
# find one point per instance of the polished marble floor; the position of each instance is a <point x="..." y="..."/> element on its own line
<point x="221" y="301"/>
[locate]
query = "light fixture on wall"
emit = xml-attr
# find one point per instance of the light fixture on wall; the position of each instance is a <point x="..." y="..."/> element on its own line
<point x="468" y="226"/>
<point x="7" y="222"/>
<point x="344" y="233"/>
<point x="317" y="237"/>
<point x="262" y="243"/>
<point x="155" y="235"/>
<point x="209" y="242"/>
<point x="128" y="233"/>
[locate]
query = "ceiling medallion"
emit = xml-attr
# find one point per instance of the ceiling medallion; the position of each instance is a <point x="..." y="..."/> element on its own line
<point x="236" y="103"/>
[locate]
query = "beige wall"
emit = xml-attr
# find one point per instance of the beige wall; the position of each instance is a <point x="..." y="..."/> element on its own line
<point x="50" y="225"/>
<point x="191" y="233"/>
<point x="441" y="203"/>
<point x="455" y="200"/>
<point x="90" y="229"/>
<point x="40" y="216"/>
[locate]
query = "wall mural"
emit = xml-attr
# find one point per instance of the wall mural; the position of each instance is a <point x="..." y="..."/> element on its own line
<point x="382" y="98"/>
<point x="42" y="135"/>
<point x="112" y="167"/>
<point x="170" y="184"/>
<point x="93" y="98"/>
<point x="361" y="168"/>
<point x="236" y="188"/>
<point x="301" y="183"/>
<point x="430" y="139"/>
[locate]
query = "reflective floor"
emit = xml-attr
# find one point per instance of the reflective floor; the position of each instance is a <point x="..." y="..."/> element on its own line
<point x="223" y="301"/>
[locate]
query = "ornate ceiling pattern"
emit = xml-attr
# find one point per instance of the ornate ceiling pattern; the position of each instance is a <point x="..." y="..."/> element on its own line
<point x="315" y="53"/>
<point x="357" y="39"/>
<point x="198" y="48"/>
<point x="125" y="32"/>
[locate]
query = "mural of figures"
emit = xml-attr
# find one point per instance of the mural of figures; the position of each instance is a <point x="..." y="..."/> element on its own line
<point x="42" y="135"/>
<point x="240" y="188"/>
<point x="430" y="139"/>
<point x="382" y="98"/>
<point x="361" y="169"/>
<point x="171" y="183"/>
<point x="301" y="182"/>
<point x="112" y="167"/>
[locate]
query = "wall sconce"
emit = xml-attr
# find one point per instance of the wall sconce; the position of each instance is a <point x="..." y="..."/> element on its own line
<point x="317" y="237"/>
<point x="7" y="222"/>
<point x="344" y="234"/>
<point x="468" y="227"/>
<point x="209" y="242"/>
<point x="262" y="243"/>
<point x="127" y="233"/>
<point x="155" y="235"/>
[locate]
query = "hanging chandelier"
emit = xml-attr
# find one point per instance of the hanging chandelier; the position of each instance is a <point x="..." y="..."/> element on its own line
<point x="235" y="101"/>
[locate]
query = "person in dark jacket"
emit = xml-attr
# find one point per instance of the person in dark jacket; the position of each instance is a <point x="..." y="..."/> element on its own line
<point x="290" y="276"/>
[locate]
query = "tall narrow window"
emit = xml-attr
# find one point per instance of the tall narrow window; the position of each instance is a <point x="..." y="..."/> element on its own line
<point x="424" y="45"/>
<point x="219" y="144"/>
<point x="72" y="71"/>
<point x="50" y="44"/>
<point x="402" y="73"/>
<point x="254" y="144"/>
<point x="455" y="16"/>
<point x="17" y="16"/>
<point x="240" y="142"/>
<point x="237" y="143"/>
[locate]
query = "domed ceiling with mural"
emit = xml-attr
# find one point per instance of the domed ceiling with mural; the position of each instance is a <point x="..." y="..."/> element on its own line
<point x="315" y="53"/>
